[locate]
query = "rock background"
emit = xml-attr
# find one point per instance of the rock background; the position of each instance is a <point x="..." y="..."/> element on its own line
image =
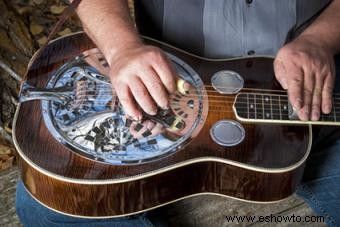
<point x="24" y="26"/>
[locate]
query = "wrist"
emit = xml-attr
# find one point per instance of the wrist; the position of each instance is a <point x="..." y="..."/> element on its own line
<point x="112" y="51"/>
<point x="319" y="41"/>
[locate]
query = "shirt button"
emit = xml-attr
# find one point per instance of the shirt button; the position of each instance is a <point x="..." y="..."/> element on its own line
<point x="249" y="1"/>
<point x="251" y="52"/>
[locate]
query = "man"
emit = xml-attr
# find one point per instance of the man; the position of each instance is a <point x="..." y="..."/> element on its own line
<point x="304" y="36"/>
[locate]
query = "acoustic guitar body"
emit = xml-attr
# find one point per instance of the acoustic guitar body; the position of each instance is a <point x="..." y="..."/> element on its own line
<point x="210" y="150"/>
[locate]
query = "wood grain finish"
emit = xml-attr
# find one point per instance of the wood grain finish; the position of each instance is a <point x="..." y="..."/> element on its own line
<point x="133" y="188"/>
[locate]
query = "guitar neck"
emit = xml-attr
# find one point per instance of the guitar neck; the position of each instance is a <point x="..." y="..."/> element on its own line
<point x="275" y="108"/>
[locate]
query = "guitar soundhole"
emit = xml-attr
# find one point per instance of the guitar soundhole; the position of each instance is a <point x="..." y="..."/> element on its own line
<point x="93" y="124"/>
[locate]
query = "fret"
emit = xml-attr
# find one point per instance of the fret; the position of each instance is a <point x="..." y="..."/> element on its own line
<point x="247" y="104"/>
<point x="259" y="107"/>
<point x="271" y="106"/>
<point x="267" y="108"/>
<point x="284" y="107"/>
<point x="241" y="105"/>
<point x="334" y="112"/>
<point x="336" y="106"/>
<point x="255" y="106"/>
<point x="276" y="107"/>
<point x="251" y="106"/>
<point x="328" y="117"/>
<point x="263" y="107"/>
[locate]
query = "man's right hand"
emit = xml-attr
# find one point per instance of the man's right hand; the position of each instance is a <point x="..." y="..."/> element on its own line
<point x="142" y="75"/>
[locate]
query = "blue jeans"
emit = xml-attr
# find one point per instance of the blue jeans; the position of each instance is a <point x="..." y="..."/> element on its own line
<point x="320" y="188"/>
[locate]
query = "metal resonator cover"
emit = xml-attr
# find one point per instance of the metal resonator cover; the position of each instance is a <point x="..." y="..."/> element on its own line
<point x="91" y="122"/>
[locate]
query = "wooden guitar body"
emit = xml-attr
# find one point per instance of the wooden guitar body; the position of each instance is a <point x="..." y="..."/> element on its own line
<point x="266" y="166"/>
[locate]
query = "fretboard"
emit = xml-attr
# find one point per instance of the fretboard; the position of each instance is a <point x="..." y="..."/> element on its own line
<point x="275" y="108"/>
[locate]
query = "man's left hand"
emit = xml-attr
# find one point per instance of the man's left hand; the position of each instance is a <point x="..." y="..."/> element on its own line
<point x="306" y="69"/>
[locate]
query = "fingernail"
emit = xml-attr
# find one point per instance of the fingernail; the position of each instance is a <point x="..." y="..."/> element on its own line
<point x="304" y="115"/>
<point x="328" y="109"/>
<point x="152" y="112"/>
<point x="315" y="116"/>
<point x="137" y="118"/>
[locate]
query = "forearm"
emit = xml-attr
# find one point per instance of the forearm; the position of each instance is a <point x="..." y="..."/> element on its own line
<point x="109" y="25"/>
<point x="326" y="28"/>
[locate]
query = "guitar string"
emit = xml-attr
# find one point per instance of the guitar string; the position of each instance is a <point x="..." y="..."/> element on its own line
<point x="108" y="92"/>
<point x="274" y="116"/>
<point x="206" y="86"/>
<point x="249" y="111"/>
<point x="283" y="98"/>
<point x="226" y="99"/>
<point x="221" y="87"/>
<point x="270" y="105"/>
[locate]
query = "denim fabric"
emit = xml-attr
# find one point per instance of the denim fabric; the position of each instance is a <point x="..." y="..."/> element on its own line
<point x="33" y="214"/>
<point x="320" y="187"/>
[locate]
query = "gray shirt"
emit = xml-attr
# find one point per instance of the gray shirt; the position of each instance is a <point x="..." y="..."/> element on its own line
<point x="225" y="28"/>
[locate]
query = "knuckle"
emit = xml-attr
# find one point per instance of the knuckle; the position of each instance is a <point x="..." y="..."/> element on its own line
<point x="328" y="89"/>
<point x="316" y="107"/>
<point x="170" y="84"/>
<point x="124" y="100"/>
<point x="308" y="92"/>
<point x="141" y="92"/>
<point x="137" y="63"/>
<point x="296" y="80"/>
<point x="157" y="87"/>
<point x="154" y="53"/>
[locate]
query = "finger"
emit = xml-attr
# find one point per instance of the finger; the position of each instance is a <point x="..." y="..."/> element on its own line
<point x="155" y="87"/>
<point x="295" y="86"/>
<point x="308" y="88"/>
<point x="127" y="101"/>
<point x="327" y="94"/>
<point x="136" y="134"/>
<point x="148" y="125"/>
<point x="316" y="102"/>
<point x="142" y="96"/>
<point x="280" y="73"/>
<point x="309" y="83"/>
<point x="158" y="129"/>
<point x="166" y="73"/>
